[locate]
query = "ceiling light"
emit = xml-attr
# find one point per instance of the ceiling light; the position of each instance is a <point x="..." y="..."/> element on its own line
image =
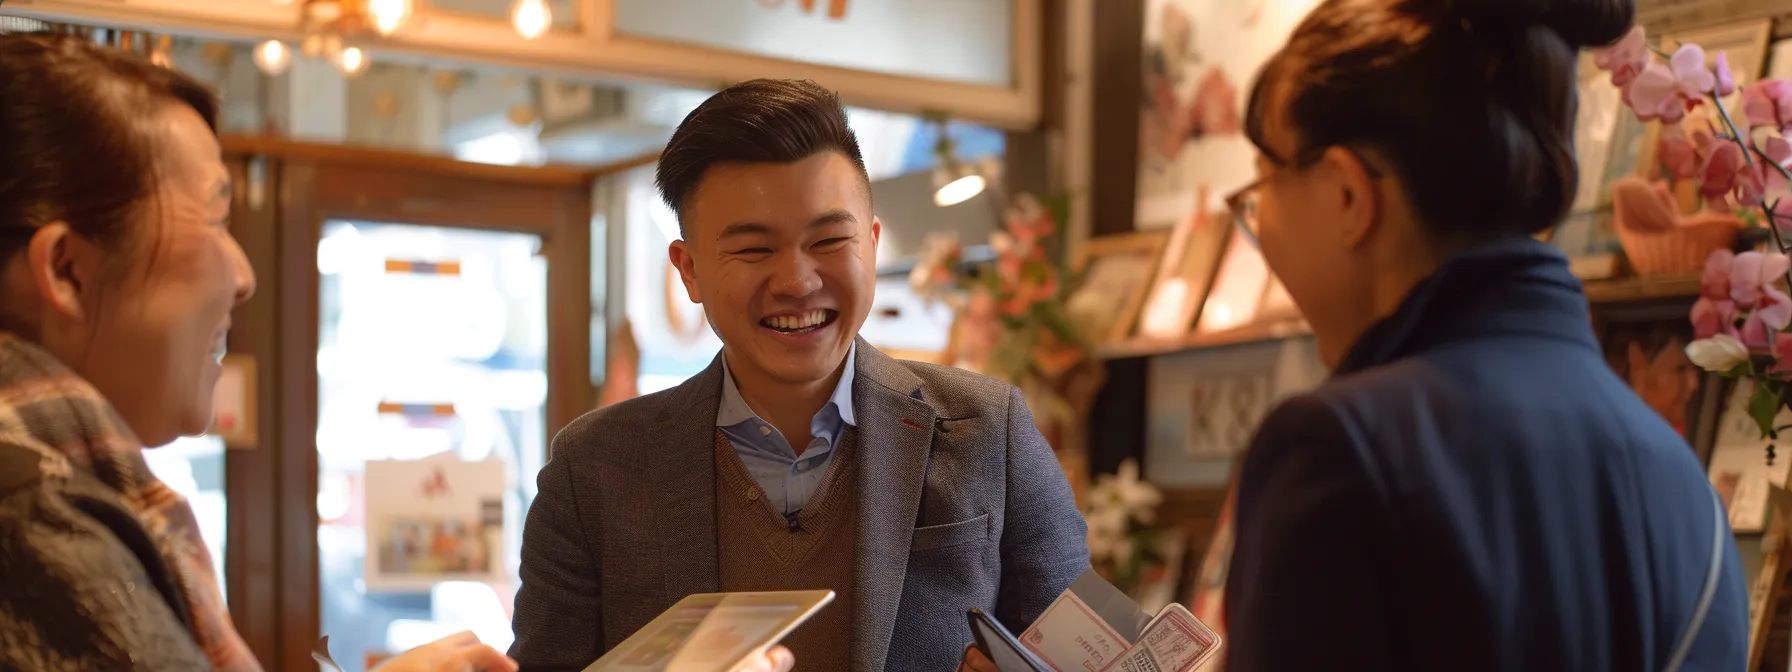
<point x="352" y="61"/>
<point x="531" y="18"/>
<point x="955" y="183"/>
<point x="387" y="16"/>
<point x="273" y="57"/>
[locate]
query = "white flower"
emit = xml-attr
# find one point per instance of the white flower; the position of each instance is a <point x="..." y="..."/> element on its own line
<point x="1717" y="354"/>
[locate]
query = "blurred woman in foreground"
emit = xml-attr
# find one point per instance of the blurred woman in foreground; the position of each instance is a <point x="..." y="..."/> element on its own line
<point x="1473" y="489"/>
<point x="118" y="276"/>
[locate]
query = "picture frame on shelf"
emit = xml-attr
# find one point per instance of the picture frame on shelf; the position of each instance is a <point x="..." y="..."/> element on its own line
<point x="1738" y="465"/>
<point x="1236" y="297"/>
<point x="1114" y="275"/>
<point x="1645" y="344"/>
<point x="1190" y="266"/>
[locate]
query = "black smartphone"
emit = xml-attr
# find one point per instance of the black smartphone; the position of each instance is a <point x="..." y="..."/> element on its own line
<point x="1001" y="647"/>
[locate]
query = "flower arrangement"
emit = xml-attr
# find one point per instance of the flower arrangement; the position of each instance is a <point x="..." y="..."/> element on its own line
<point x="1123" y="544"/>
<point x="1011" y="318"/>
<point x="1740" y="166"/>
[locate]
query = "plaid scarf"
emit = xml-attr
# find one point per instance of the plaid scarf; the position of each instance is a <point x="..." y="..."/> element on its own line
<point x="46" y="406"/>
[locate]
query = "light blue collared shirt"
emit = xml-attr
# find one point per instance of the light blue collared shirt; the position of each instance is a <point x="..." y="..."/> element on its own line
<point x="788" y="478"/>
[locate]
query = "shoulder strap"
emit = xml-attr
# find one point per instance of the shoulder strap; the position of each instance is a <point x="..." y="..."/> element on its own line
<point x="1718" y="528"/>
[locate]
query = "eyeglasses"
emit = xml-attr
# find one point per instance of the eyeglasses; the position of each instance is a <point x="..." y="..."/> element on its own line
<point x="1244" y="202"/>
<point x="1243" y="205"/>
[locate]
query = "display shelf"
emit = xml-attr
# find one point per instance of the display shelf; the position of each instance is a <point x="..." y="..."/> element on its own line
<point x="1623" y="290"/>
<point x="1250" y="333"/>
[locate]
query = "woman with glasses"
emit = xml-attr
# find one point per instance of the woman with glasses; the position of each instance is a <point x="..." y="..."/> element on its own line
<point x="1473" y="489"/>
<point x="118" y="277"/>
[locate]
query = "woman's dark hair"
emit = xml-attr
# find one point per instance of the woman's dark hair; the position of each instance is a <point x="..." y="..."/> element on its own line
<point x="756" y="121"/>
<point x="77" y="137"/>
<point x="1471" y="103"/>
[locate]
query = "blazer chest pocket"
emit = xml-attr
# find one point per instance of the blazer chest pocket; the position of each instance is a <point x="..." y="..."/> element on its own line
<point x="950" y="534"/>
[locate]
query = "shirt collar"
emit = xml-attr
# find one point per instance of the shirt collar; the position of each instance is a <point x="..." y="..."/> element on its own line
<point x="734" y="409"/>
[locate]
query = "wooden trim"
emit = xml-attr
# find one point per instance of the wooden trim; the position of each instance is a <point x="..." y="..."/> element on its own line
<point x="251" y="477"/>
<point x="470" y="41"/>
<point x="276" y="583"/>
<point x="548" y="176"/>
<point x="297" y="322"/>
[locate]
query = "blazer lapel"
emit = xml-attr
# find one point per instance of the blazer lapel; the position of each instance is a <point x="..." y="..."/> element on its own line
<point x="684" y="474"/>
<point x="895" y="427"/>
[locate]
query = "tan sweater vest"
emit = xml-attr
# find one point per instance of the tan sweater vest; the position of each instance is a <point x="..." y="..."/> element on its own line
<point x="760" y="552"/>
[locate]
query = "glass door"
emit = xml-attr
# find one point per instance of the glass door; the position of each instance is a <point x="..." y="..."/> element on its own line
<point x="432" y="351"/>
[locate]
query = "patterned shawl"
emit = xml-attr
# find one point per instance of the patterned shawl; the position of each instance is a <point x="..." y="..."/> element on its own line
<point x="44" y="405"/>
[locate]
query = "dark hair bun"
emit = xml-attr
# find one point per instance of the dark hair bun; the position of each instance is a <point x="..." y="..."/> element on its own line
<point x="1580" y="23"/>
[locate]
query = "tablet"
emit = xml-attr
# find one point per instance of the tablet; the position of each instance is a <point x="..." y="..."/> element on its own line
<point x="1001" y="647"/>
<point x="713" y="632"/>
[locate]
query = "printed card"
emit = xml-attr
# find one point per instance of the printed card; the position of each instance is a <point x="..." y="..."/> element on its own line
<point x="1174" y="642"/>
<point x="1071" y="638"/>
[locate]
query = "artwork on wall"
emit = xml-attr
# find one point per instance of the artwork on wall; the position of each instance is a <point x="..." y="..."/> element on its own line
<point x="1116" y="273"/>
<point x="1200" y="59"/>
<point x="433" y="520"/>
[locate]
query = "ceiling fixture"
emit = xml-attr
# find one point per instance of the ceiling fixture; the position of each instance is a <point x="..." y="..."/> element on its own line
<point x="273" y="57"/>
<point x="531" y="18"/>
<point x="954" y="181"/>
<point x="329" y="26"/>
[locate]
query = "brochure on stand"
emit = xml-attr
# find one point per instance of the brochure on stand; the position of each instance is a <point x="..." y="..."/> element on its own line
<point x="1094" y="626"/>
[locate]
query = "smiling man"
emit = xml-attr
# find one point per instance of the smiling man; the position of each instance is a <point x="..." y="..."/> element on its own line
<point x="803" y="458"/>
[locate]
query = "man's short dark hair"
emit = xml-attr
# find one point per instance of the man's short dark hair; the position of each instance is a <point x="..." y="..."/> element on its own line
<point x="756" y="121"/>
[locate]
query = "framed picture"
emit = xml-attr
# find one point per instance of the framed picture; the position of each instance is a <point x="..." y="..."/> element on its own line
<point x="1203" y="406"/>
<point x="1191" y="262"/>
<point x="1116" y="273"/>
<point x="1238" y="291"/>
<point x="1645" y="345"/>
<point x="1738" y="467"/>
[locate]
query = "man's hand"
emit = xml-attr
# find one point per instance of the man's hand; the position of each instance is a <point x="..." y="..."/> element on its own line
<point x="975" y="661"/>
<point x="776" y="659"/>
<point x="455" y="653"/>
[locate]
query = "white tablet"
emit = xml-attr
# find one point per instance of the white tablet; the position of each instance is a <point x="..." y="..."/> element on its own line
<point x="713" y="632"/>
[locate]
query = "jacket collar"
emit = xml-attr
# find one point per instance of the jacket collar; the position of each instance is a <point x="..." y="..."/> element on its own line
<point x="1510" y="287"/>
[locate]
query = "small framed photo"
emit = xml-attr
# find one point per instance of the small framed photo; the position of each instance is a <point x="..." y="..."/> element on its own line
<point x="1191" y="262"/>
<point x="1116" y="273"/>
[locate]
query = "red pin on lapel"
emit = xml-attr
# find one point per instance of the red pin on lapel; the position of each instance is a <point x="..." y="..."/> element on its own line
<point x="911" y="424"/>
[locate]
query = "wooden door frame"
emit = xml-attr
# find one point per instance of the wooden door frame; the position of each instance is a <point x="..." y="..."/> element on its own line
<point x="286" y="192"/>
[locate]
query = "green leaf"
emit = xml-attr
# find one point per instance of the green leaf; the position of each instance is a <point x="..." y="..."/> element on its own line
<point x="1763" y="405"/>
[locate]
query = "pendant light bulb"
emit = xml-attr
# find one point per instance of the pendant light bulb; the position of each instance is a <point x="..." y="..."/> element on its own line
<point x="387" y="16"/>
<point x="352" y="61"/>
<point x="531" y="18"/>
<point x="273" y="57"/>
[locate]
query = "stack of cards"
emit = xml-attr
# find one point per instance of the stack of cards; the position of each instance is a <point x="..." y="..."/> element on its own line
<point x="1095" y="627"/>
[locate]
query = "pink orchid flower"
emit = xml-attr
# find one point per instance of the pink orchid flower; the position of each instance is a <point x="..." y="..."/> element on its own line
<point x="1667" y="91"/>
<point x="1754" y="181"/>
<point x="1782" y="354"/>
<point x="1678" y="154"/>
<point x="1768" y="103"/>
<point x="1723" y="172"/>
<point x="1726" y="80"/>
<point x="1625" y="58"/>
<point x="1753" y="278"/>
<point x="1715" y="313"/>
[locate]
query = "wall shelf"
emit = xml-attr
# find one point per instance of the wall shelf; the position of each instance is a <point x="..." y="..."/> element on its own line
<point x="1618" y="291"/>
<point x="1251" y="333"/>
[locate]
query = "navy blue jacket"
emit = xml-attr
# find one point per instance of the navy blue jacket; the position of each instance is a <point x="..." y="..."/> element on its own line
<point x="1474" y="489"/>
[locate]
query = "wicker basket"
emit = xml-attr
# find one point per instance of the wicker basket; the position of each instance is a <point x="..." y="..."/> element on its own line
<point x="1680" y="250"/>
<point x="1657" y="239"/>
